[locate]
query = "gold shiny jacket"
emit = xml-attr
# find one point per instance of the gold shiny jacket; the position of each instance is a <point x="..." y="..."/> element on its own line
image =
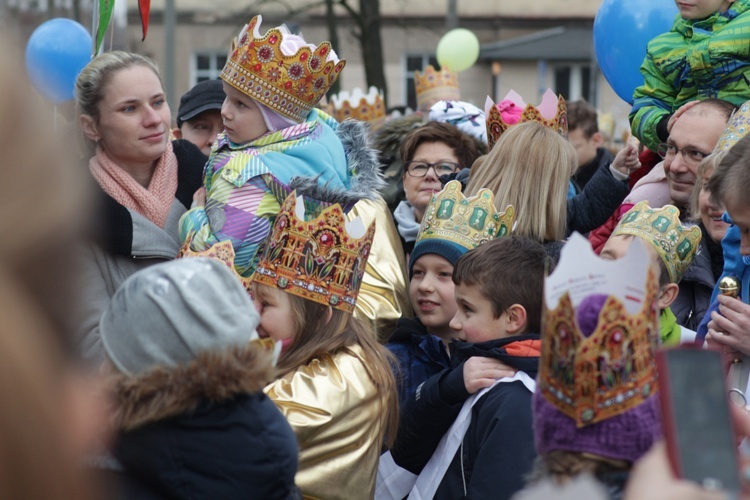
<point x="384" y="295"/>
<point x="339" y="419"/>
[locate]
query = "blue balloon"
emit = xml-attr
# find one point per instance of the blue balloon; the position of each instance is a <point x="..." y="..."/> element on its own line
<point x="56" y="53"/>
<point x="622" y="30"/>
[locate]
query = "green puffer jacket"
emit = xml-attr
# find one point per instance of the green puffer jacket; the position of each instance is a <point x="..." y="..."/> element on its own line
<point x="696" y="59"/>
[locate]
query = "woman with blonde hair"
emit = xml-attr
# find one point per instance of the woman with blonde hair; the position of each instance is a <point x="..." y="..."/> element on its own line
<point x="144" y="181"/>
<point x="530" y="167"/>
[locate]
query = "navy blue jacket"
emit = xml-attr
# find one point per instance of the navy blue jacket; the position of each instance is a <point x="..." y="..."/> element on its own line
<point x="498" y="447"/>
<point x="420" y="356"/>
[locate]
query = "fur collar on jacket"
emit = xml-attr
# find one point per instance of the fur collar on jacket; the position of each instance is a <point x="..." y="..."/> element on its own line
<point x="362" y="163"/>
<point x="165" y="392"/>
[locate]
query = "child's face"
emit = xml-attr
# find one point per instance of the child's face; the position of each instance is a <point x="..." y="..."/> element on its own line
<point x="203" y="129"/>
<point x="711" y="213"/>
<point x="431" y="294"/>
<point x="739" y="211"/>
<point x="243" y="120"/>
<point x="701" y="9"/>
<point x="475" y="320"/>
<point x="275" y="309"/>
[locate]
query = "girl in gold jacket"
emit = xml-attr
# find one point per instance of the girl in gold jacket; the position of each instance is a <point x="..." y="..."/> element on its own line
<point x="336" y="387"/>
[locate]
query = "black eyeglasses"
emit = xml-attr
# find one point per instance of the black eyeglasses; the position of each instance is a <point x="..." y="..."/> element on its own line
<point x="420" y="168"/>
<point x="691" y="155"/>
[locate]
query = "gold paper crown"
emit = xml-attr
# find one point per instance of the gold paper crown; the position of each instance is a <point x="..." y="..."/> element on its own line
<point x="737" y="128"/>
<point x="558" y="122"/>
<point x="368" y="107"/>
<point x="612" y="370"/>
<point x="320" y="259"/>
<point x="661" y="228"/>
<point x="466" y="222"/>
<point x="433" y="86"/>
<point x="289" y="84"/>
<point x="223" y="252"/>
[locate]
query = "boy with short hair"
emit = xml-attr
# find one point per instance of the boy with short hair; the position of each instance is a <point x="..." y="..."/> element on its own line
<point x="704" y="55"/>
<point x="584" y="135"/>
<point x="452" y="225"/>
<point x="672" y="247"/>
<point x="199" y="115"/>
<point x="478" y="411"/>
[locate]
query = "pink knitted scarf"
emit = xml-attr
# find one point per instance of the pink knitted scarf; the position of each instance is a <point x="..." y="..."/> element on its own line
<point x="153" y="203"/>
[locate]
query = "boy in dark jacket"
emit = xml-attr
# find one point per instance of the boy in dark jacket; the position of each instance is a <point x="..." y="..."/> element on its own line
<point x="467" y="431"/>
<point x="420" y="344"/>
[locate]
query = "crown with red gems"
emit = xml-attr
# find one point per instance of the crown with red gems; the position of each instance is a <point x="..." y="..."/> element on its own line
<point x="433" y="86"/>
<point x="599" y="333"/>
<point x="289" y="84"/>
<point x="368" y="107"/>
<point x="551" y="113"/>
<point x="322" y="259"/>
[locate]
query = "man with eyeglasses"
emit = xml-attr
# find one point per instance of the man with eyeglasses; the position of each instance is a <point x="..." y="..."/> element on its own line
<point x="692" y="137"/>
<point x="693" y="134"/>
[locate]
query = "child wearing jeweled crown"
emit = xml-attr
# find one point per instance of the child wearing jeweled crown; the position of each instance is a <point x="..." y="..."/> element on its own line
<point x="704" y="55"/>
<point x="275" y="141"/>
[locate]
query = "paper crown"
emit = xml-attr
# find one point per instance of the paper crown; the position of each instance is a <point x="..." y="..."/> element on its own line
<point x="466" y="222"/>
<point x="223" y="252"/>
<point x="737" y="128"/>
<point x="433" y="86"/>
<point x="661" y="228"/>
<point x="322" y="259"/>
<point x="290" y="84"/>
<point x="596" y="374"/>
<point x="551" y="113"/>
<point x="368" y="107"/>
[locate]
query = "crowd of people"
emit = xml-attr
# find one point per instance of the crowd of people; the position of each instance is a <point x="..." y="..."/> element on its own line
<point x="284" y="298"/>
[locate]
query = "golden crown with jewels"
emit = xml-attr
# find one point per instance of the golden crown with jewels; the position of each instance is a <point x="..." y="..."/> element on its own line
<point x="368" y="107"/>
<point x="607" y="367"/>
<point x="466" y="222"/>
<point x="737" y="128"/>
<point x="661" y="228"/>
<point x="322" y="259"/>
<point x="551" y="112"/>
<point x="433" y="86"/>
<point x="289" y="84"/>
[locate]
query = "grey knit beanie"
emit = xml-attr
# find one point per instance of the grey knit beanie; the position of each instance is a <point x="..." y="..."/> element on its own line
<point x="168" y="313"/>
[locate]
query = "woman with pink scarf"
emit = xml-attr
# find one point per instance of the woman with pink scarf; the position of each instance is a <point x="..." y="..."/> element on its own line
<point x="145" y="181"/>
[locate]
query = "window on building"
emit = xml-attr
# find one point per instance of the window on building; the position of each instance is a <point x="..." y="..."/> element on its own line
<point x="415" y="62"/>
<point x="207" y="66"/>
<point x="573" y="81"/>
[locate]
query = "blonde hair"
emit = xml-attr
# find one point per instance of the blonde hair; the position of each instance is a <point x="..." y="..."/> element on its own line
<point x="316" y="335"/>
<point x="529" y="168"/>
<point x="93" y="79"/>
<point x="708" y="164"/>
<point x="41" y="197"/>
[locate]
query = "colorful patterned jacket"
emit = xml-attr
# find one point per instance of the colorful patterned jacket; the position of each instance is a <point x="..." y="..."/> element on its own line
<point x="246" y="184"/>
<point x="695" y="60"/>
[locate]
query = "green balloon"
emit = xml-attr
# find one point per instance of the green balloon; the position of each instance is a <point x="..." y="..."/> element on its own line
<point x="458" y="50"/>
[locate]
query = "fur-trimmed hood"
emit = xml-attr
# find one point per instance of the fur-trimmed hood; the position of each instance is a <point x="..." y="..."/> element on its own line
<point x="165" y="392"/>
<point x="363" y="168"/>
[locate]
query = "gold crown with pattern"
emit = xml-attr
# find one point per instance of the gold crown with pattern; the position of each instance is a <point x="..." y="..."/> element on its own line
<point x="609" y="368"/>
<point x="223" y="252"/>
<point x="322" y="259"/>
<point x="289" y="84"/>
<point x="661" y="228"/>
<point x="466" y="222"/>
<point x="433" y="86"/>
<point x="552" y="113"/>
<point x="368" y="107"/>
<point x="737" y="128"/>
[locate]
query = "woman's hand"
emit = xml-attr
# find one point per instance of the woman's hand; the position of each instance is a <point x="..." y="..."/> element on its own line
<point x="627" y="160"/>
<point x="480" y="372"/>
<point x="730" y="325"/>
<point x="199" y="198"/>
